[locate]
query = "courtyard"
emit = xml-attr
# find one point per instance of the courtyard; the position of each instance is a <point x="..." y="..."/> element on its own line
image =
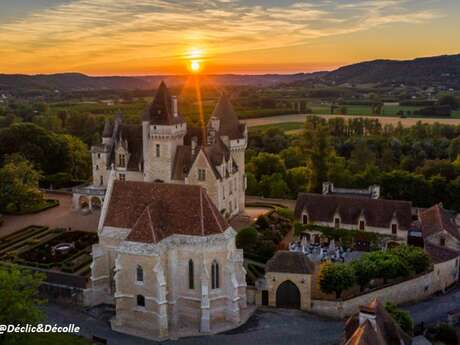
<point x="266" y="327"/>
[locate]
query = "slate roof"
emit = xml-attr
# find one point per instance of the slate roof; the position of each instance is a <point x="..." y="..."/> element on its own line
<point x="155" y="211"/>
<point x="108" y="129"/>
<point x="229" y="123"/>
<point x="133" y="136"/>
<point x="436" y="219"/>
<point x="386" y="331"/>
<point x="377" y="212"/>
<point x="160" y="111"/>
<point x="440" y="254"/>
<point x="290" y="262"/>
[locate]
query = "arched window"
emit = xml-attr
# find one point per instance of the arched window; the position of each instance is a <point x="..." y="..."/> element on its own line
<point x="191" y="281"/>
<point x="215" y="275"/>
<point x="139" y="274"/>
<point x="140" y="301"/>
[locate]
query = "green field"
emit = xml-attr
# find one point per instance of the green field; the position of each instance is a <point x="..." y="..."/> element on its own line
<point x="285" y="127"/>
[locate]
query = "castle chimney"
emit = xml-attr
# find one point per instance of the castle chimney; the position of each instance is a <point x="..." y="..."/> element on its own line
<point x="174" y="106"/>
<point x="194" y="145"/>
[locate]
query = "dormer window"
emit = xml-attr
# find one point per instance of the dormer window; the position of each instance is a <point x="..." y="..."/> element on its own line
<point x="442" y="242"/>
<point x="394" y="228"/>
<point x="361" y="225"/>
<point x="122" y="160"/>
<point x="304" y="219"/>
<point x="201" y="175"/>
<point x="336" y="222"/>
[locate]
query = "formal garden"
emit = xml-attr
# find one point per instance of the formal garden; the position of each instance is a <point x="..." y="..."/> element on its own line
<point x="51" y="249"/>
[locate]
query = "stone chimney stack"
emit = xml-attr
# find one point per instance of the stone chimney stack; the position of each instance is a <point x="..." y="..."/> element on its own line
<point x="174" y="106"/>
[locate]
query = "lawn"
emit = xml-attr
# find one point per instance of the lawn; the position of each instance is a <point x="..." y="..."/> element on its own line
<point x="285" y="127"/>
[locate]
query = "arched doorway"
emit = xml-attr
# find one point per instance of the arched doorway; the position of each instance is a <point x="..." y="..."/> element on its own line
<point x="288" y="295"/>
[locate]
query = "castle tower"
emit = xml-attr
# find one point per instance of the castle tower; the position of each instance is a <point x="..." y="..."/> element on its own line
<point x="163" y="130"/>
<point x="225" y="124"/>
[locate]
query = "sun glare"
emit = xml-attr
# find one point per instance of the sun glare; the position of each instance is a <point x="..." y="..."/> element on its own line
<point x="195" y="66"/>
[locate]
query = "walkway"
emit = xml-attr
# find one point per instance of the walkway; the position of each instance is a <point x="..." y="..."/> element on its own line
<point x="60" y="216"/>
<point x="266" y="327"/>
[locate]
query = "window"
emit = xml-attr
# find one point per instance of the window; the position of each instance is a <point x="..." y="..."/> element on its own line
<point x="361" y="225"/>
<point x="139" y="274"/>
<point x="442" y="241"/>
<point x="231" y="187"/>
<point x="98" y="155"/>
<point x="201" y="175"/>
<point x="157" y="150"/>
<point x="101" y="180"/>
<point x="122" y="177"/>
<point x="191" y="281"/>
<point x="97" y="167"/>
<point x="336" y="223"/>
<point x="215" y="275"/>
<point x="121" y="160"/>
<point x="304" y="219"/>
<point x="394" y="228"/>
<point x="140" y="301"/>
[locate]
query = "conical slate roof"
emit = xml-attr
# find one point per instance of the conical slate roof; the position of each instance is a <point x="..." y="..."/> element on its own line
<point x="229" y="124"/>
<point x="160" y="111"/>
<point x="108" y="129"/>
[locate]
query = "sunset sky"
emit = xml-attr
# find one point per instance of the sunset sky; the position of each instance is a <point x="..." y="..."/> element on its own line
<point x="132" y="37"/>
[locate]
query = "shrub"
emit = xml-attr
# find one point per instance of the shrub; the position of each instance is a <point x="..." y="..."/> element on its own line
<point x="402" y="317"/>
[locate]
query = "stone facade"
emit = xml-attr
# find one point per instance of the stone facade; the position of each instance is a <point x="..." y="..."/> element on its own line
<point x="302" y="282"/>
<point x="165" y="149"/>
<point x="166" y="281"/>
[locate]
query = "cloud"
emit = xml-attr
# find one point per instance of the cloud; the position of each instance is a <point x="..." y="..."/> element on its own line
<point x="160" y="31"/>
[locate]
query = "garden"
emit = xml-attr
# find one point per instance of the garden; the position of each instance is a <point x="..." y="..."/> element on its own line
<point x="53" y="249"/>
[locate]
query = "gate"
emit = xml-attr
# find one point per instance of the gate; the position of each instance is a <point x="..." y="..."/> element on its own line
<point x="288" y="295"/>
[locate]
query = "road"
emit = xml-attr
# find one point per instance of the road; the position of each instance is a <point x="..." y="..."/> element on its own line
<point x="406" y="122"/>
<point x="266" y="327"/>
<point x="435" y="308"/>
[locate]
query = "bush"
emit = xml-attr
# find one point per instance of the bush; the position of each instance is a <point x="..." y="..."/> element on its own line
<point x="402" y="317"/>
<point x="246" y="239"/>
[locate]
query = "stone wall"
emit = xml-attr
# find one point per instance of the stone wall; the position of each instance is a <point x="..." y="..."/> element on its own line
<point x="443" y="275"/>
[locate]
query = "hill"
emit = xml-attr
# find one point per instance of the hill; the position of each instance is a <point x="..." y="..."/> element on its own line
<point x="443" y="69"/>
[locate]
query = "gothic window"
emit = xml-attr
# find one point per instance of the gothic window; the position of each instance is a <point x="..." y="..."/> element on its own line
<point x="201" y="175"/>
<point x="394" y="228"/>
<point x="98" y="155"/>
<point x="215" y="275"/>
<point x="140" y="300"/>
<point x="191" y="281"/>
<point x="121" y="160"/>
<point x="337" y="223"/>
<point x="361" y="225"/>
<point x="101" y="180"/>
<point x="139" y="274"/>
<point x="157" y="150"/>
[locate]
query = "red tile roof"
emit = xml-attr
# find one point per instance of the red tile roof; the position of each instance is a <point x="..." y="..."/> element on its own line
<point x="377" y="212"/>
<point x="436" y="219"/>
<point x="155" y="211"/>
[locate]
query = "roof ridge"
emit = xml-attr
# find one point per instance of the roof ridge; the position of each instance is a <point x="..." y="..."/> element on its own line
<point x="151" y="225"/>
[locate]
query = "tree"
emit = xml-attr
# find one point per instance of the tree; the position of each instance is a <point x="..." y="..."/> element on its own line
<point x="416" y="258"/>
<point x="361" y="157"/>
<point x="318" y="150"/>
<point x="267" y="164"/>
<point x="19" y="296"/>
<point x="253" y="185"/>
<point x="402" y="317"/>
<point x="274" y="186"/>
<point x="450" y="101"/>
<point x="79" y="157"/>
<point x="365" y="270"/>
<point x="246" y="239"/>
<point x="19" y="185"/>
<point x="388" y="265"/>
<point x="297" y="180"/>
<point x="336" y="278"/>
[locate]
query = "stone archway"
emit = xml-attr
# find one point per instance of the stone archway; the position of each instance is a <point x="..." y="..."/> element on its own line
<point x="288" y="295"/>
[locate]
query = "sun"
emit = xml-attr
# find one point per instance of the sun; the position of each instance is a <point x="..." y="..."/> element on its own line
<point x="195" y="66"/>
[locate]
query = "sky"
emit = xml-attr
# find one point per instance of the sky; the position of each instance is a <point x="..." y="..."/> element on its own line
<point x="138" y="37"/>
